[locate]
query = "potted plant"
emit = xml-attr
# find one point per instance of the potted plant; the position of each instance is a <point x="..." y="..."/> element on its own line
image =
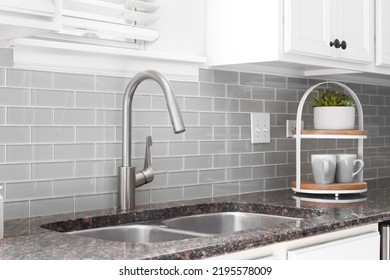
<point x="333" y="109"/>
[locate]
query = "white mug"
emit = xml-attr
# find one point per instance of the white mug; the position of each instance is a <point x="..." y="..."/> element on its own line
<point x="345" y="167"/>
<point x="324" y="168"/>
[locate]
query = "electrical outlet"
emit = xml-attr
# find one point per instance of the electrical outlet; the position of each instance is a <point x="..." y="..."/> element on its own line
<point x="290" y="126"/>
<point x="260" y="128"/>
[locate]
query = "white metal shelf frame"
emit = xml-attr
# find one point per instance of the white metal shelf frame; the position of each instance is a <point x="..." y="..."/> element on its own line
<point x="299" y="136"/>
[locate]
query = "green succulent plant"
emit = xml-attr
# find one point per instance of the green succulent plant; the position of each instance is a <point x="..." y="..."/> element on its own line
<point x="332" y="97"/>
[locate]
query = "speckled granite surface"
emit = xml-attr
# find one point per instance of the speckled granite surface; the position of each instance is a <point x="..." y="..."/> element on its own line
<point x="26" y="239"/>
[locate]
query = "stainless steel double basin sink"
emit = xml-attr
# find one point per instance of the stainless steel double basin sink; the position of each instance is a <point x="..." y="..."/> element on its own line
<point x="185" y="227"/>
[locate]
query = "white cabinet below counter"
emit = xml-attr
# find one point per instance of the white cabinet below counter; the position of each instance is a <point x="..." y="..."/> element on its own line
<point x="360" y="243"/>
<point x="359" y="247"/>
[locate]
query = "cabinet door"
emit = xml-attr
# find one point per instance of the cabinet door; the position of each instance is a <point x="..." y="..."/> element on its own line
<point x="360" y="247"/>
<point x="308" y="27"/>
<point x="354" y="24"/>
<point x="383" y="32"/>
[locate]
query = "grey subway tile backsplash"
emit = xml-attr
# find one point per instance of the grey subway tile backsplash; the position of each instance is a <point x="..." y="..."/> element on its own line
<point x="111" y="84"/>
<point x="182" y="178"/>
<point x="165" y="195"/>
<point x="198" y="104"/>
<point x="74" y="81"/>
<point x="17" y="209"/>
<point x="198" y="191"/>
<point x="297" y="83"/>
<point x="29" y="153"/>
<point x="252" y="106"/>
<point x="54" y="98"/>
<point x="263" y="93"/>
<point x="213" y="119"/>
<point x="198" y="133"/>
<point x="212" y="175"/>
<point x="234" y="91"/>
<point x="28" y="190"/>
<point x="94" y="202"/>
<point x="95" y="168"/>
<point x="74" y="186"/>
<point x="27" y="78"/>
<point x="52" y="134"/>
<point x="29" y="116"/>
<point x="74" y="151"/>
<point x="14" y="134"/>
<point x="14" y="96"/>
<point x="14" y="172"/>
<point x="251" y="79"/>
<point x="2" y="115"/>
<point x="226" y="77"/>
<point x="212" y="90"/>
<point x="183" y="148"/>
<point x="2" y="76"/>
<point x="60" y="137"/>
<point x="52" y="170"/>
<point x="198" y="162"/>
<point x="53" y="206"/>
<point x="286" y="94"/>
<point x="226" y="161"/>
<point x="185" y="88"/>
<point x="93" y="133"/>
<point x="275" y="81"/>
<point x="206" y="75"/>
<point x="229" y="188"/>
<point x="226" y="105"/>
<point x="95" y="100"/>
<point x="74" y="117"/>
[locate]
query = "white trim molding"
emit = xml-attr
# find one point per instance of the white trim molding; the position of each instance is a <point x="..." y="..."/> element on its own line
<point x="81" y="58"/>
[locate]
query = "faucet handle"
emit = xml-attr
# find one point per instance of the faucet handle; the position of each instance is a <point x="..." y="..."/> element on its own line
<point x="146" y="175"/>
<point x="148" y="157"/>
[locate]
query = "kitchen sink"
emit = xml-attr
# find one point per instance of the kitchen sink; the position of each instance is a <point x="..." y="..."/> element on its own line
<point x="224" y="222"/>
<point x="137" y="233"/>
<point x="184" y="227"/>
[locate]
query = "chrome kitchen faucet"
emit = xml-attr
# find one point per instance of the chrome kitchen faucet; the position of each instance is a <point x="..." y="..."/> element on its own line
<point x="128" y="179"/>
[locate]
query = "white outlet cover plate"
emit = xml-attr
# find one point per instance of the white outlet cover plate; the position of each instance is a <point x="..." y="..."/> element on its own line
<point x="290" y="126"/>
<point x="260" y="128"/>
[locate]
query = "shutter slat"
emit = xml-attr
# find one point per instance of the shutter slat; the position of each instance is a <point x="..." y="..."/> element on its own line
<point x="107" y="22"/>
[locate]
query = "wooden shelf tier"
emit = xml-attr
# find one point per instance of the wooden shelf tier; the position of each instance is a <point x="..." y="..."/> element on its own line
<point x="310" y="186"/>
<point x="333" y="134"/>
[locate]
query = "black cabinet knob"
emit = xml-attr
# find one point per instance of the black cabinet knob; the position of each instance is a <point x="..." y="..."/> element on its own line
<point x="336" y="43"/>
<point x="343" y="45"/>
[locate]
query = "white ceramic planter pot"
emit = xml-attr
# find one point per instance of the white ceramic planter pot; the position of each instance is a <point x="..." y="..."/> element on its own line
<point x="334" y="117"/>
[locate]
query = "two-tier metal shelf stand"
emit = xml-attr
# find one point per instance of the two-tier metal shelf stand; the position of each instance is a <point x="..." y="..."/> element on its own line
<point x="305" y="186"/>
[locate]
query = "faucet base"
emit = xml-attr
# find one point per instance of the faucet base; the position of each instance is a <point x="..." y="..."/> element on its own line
<point x="126" y="188"/>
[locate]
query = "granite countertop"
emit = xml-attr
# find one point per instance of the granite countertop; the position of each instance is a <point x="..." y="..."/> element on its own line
<point x="26" y="239"/>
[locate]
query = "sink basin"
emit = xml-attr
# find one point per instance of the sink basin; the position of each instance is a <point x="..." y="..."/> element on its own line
<point x="224" y="222"/>
<point x="136" y="233"/>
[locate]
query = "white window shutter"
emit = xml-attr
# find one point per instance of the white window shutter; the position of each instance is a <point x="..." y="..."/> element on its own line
<point x="119" y="23"/>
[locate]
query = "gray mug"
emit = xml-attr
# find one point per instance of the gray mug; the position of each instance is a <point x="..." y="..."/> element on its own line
<point x="324" y="168"/>
<point x="345" y="167"/>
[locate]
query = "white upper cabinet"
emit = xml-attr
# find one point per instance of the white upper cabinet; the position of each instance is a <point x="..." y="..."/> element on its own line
<point x="20" y="18"/>
<point x="301" y="37"/>
<point x="342" y="30"/>
<point x="383" y="32"/>
<point x="308" y="27"/>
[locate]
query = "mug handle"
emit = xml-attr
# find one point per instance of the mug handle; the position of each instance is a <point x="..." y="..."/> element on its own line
<point x="326" y="168"/>
<point x="360" y="168"/>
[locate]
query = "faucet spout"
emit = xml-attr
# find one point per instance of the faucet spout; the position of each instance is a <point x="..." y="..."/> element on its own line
<point x="127" y="182"/>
